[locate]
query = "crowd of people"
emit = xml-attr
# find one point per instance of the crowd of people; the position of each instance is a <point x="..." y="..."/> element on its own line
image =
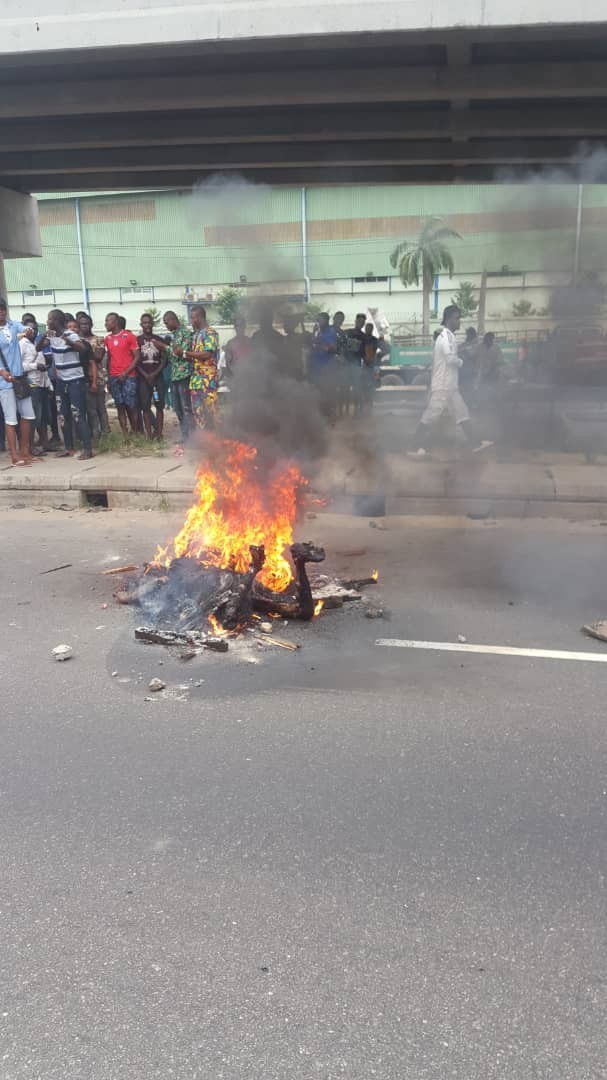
<point x="62" y="373"/>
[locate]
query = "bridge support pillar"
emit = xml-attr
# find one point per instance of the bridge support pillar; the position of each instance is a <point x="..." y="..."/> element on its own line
<point x="19" y="229"/>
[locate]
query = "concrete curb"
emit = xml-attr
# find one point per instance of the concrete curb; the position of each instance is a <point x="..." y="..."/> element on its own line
<point x="402" y="486"/>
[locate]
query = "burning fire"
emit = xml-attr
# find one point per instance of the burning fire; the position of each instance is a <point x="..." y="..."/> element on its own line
<point x="237" y="507"/>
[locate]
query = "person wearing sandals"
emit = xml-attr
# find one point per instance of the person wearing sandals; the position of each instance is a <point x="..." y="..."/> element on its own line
<point x="18" y="410"/>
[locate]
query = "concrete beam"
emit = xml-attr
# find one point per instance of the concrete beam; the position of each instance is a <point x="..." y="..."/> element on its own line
<point x="320" y="156"/>
<point x="328" y="87"/>
<point x="306" y="124"/>
<point x="19" y="228"/>
<point x="352" y="174"/>
<point x="245" y="126"/>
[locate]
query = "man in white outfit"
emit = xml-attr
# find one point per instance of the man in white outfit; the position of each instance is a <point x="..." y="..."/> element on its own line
<point x="444" y="388"/>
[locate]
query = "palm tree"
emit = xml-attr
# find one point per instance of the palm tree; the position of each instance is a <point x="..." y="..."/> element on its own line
<point x="424" y="258"/>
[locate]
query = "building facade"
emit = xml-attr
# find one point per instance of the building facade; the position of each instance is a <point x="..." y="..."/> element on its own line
<point x="331" y="245"/>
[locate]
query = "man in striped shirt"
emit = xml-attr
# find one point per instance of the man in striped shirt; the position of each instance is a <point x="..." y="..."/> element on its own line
<point x="68" y="351"/>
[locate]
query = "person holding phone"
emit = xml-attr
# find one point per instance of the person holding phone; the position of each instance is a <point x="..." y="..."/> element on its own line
<point x="68" y="352"/>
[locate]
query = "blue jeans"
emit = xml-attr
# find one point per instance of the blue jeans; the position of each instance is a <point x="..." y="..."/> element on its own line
<point x="72" y="395"/>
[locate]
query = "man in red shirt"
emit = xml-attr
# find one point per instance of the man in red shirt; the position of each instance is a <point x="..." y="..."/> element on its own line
<point x="123" y="356"/>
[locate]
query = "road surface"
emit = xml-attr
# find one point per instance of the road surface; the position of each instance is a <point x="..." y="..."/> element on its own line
<point x="350" y="862"/>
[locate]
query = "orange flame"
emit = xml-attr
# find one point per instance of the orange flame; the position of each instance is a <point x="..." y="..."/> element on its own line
<point x="237" y="507"/>
<point x="318" y="607"/>
<point x="216" y="627"/>
<point x="375" y="574"/>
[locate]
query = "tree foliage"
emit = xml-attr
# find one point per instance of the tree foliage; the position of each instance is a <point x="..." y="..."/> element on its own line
<point x="465" y="299"/>
<point x="522" y="308"/>
<point x="423" y="258"/>
<point x="227" y="304"/>
<point x="155" y="315"/>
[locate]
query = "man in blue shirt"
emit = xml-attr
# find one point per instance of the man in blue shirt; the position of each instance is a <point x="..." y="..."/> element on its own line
<point x="12" y="406"/>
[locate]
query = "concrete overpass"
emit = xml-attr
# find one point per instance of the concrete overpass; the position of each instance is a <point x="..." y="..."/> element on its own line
<point x="109" y="94"/>
<point x="106" y="94"/>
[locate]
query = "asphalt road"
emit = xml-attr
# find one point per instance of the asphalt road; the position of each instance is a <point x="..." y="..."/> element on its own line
<point x="345" y="862"/>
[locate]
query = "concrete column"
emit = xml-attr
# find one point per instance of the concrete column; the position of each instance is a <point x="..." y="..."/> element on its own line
<point x="19" y="226"/>
<point x="19" y="229"/>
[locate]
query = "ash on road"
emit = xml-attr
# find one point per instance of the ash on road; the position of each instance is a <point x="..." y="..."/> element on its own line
<point x="346" y="861"/>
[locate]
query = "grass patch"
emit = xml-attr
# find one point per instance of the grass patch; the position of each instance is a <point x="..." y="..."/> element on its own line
<point x="133" y="446"/>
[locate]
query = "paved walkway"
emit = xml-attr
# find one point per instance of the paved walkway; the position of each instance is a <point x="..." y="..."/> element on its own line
<point x="558" y="485"/>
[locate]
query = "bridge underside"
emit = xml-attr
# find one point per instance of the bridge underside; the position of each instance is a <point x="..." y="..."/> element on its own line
<point x="448" y="106"/>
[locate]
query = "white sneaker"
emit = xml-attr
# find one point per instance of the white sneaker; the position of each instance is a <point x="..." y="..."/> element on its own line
<point x="483" y="446"/>
<point x="418" y="454"/>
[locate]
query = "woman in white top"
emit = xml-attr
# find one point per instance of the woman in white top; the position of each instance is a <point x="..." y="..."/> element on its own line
<point x="34" y="366"/>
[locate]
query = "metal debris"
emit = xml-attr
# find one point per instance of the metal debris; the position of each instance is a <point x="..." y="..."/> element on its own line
<point x="189" y="638"/>
<point x="279" y="643"/>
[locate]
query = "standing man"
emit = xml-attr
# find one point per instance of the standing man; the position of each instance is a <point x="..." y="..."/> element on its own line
<point x="13" y="406"/>
<point x="97" y="412"/>
<point x="490" y="360"/>
<point x="266" y="339"/>
<point x="204" y="382"/>
<point x="469" y="353"/>
<point x="68" y="350"/>
<point x="123" y="357"/>
<point x="150" y="379"/>
<point x="444" y="388"/>
<point x="239" y="349"/>
<point x="181" y="371"/>
<point x="355" y="338"/>
<point x="369" y="366"/>
<point x="341" y="345"/>
<point x="323" y="364"/>
<point x="295" y="346"/>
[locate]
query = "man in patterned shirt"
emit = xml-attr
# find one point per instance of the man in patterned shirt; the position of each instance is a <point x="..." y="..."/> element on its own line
<point x="204" y="382"/>
<point x="181" y="370"/>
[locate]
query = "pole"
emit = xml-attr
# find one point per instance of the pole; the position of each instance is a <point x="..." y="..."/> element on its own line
<point x="304" y="242"/>
<point x="578" y="234"/>
<point x="2" y="279"/>
<point x="85" y="292"/>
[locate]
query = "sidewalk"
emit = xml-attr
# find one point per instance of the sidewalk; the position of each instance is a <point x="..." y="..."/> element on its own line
<point x="540" y="485"/>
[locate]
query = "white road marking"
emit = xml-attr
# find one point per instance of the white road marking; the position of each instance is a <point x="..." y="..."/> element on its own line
<point x="494" y="650"/>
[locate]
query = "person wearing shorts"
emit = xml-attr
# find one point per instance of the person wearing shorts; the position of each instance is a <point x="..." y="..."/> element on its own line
<point x="18" y="412"/>
<point x="150" y="376"/>
<point x="123" y="357"/>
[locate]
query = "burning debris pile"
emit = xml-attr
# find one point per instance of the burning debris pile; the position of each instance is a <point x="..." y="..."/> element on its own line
<point x="228" y="564"/>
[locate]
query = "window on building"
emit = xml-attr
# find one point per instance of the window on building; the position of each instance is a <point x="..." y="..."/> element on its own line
<point x="38" y="294"/>
<point x="369" y="277"/>
<point x="137" y="292"/>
